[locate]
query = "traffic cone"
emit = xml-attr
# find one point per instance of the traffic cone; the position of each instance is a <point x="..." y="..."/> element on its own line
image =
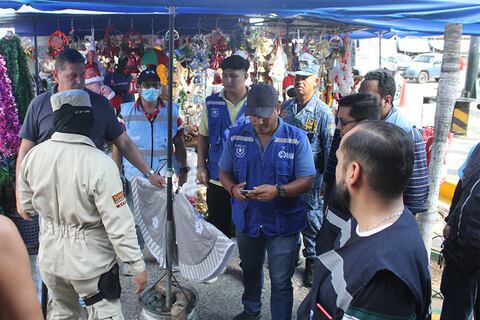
<point x="403" y="95"/>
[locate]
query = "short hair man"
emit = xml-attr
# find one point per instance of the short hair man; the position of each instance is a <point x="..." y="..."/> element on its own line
<point x="461" y="248"/>
<point x="352" y="109"/>
<point x="307" y="112"/>
<point x="381" y="84"/>
<point x="38" y="127"/>
<point x="266" y="166"/>
<point x="360" y="275"/>
<point x="86" y="222"/>
<point x="223" y="111"/>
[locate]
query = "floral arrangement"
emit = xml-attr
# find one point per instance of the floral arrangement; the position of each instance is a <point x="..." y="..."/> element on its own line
<point x="9" y="139"/>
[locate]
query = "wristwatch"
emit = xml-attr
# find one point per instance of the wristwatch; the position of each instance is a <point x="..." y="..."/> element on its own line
<point x="280" y="191"/>
<point x="184" y="170"/>
<point x="150" y="173"/>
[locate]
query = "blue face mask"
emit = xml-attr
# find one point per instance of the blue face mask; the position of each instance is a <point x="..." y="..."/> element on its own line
<point x="150" y="95"/>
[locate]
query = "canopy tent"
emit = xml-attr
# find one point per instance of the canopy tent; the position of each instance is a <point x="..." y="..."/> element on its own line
<point x="424" y="16"/>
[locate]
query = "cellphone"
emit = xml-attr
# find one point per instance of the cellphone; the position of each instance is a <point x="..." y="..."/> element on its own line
<point x="244" y="191"/>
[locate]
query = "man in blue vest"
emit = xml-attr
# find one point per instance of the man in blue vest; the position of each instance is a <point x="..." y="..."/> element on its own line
<point x="266" y="166"/>
<point x="377" y="266"/>
<point x="223" y="111"/>
<point x="461" y="249"/>
<point x="308" y="112"/>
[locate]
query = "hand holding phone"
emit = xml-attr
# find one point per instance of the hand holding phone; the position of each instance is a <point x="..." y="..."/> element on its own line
<point x="244" y="192"/>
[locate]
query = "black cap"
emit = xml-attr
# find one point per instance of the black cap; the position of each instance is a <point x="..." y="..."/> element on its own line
<point x="235" y="62"/>
<point x="148" y="75"/>
<point x="261" y="100"/>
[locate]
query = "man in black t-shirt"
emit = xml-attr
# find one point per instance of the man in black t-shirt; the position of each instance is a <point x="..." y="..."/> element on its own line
<point x="376" y="266"/>
<point x="69" y="74"/>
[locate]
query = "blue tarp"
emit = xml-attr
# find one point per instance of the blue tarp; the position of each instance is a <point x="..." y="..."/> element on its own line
<point x="424" y="16"/>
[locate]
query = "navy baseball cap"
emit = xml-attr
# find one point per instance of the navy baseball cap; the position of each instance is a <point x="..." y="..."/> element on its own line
<point x="307" y="65"/>
<point x="261" y="100"/>
<point x="148" y="75"/>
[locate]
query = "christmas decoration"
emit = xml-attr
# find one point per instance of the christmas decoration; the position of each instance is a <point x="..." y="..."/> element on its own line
<point x="9" y="128"/>
<point x="18" y="73"/>
<point x="57" y="41"/>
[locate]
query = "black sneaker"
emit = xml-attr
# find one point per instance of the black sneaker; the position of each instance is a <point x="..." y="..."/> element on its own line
<point x="247" y="316"/>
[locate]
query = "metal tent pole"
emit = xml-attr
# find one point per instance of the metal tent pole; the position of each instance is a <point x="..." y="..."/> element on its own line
<point x="168" y="291"/>
<point x="35" y="52"/>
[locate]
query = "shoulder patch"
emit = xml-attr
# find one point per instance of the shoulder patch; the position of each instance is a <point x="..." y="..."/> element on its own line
<point x="119" y="199"/>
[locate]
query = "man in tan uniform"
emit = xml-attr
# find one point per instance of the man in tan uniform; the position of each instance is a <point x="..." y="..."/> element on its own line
<point x="85" y="220"/>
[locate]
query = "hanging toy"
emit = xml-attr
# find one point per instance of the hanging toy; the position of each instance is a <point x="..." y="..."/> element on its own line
<point x="57" y="41"/>
<point x="111" y="43"/>
<point x="133" y="42"/>
<point x="219" y="44"/>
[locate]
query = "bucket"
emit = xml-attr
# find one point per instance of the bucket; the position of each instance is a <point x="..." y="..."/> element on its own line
<point x="152" y="295"/>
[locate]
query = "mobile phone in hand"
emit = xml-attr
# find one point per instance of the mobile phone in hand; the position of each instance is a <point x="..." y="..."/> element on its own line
<point x="244" y="192"/>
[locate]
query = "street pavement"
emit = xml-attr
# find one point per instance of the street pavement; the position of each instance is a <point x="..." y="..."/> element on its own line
<point x="220" y="300"/>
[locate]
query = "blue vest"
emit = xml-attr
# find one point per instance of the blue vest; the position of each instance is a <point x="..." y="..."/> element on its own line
<point x="150" y="138"/>
<point x="355" y="260"/>
<point x="219" y="125"/>
<point x="281" y="216"/>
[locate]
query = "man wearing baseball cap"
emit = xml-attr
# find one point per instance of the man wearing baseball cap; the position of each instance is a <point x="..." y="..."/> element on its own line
<point x="307" y="112"/>
<point x="85" y="220"/>
<point x="266" y="166"/>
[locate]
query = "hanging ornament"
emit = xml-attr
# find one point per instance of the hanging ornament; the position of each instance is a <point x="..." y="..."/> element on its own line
<point x="111" y="42"/>
<point x="57" y="41"/>
<point x="219" y="44"/>
<point x="201" y="48"/>
<point x="132" y="43"/>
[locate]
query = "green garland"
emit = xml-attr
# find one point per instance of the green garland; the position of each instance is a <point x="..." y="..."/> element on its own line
<point x="17" y="67"/>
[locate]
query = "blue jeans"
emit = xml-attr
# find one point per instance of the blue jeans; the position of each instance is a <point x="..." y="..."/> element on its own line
<point x="314" y="223"/>
<point x="281" y="260"/>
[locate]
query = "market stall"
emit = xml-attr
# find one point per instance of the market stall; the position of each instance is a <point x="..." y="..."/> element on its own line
<point x="191" y="71"/>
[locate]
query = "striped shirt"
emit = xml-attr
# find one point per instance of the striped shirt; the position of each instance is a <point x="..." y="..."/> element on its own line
<point x="416" y="192"/>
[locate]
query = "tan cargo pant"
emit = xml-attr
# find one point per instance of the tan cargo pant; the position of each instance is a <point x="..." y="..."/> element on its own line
<point x="63" y="299"/>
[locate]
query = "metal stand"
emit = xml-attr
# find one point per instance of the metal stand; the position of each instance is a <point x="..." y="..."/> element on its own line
<point x="168" y="289"/>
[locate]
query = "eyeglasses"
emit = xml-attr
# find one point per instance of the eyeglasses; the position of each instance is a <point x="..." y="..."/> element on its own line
<point x="344" y="123"/>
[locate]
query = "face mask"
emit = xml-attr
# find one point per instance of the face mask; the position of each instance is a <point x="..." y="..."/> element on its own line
<point x="150" y="95"/>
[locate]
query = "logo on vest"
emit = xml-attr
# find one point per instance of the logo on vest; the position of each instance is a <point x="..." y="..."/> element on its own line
<point x="282" y="154"/>
<point x="240" y="151"/>
<point x="215" y="113"/>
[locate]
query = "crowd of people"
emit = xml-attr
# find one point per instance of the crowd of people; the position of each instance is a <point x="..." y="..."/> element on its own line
<point x="350" y="184"/>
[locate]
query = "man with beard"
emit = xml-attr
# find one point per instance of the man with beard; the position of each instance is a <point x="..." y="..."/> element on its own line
<point x="266" y="166"/>
<point x="308" y="112"/>
<point x="360" y="275"/>
<point x="85" y="220"/>
<point x="223" y="111"/>
<point x="352" y="109"/>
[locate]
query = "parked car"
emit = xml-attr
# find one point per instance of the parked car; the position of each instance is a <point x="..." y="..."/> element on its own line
<point x="424" y="67"/>
<point x="396" y="62"/>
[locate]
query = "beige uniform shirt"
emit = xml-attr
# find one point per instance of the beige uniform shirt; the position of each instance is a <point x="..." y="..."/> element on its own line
<point x="85" y="219"/>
